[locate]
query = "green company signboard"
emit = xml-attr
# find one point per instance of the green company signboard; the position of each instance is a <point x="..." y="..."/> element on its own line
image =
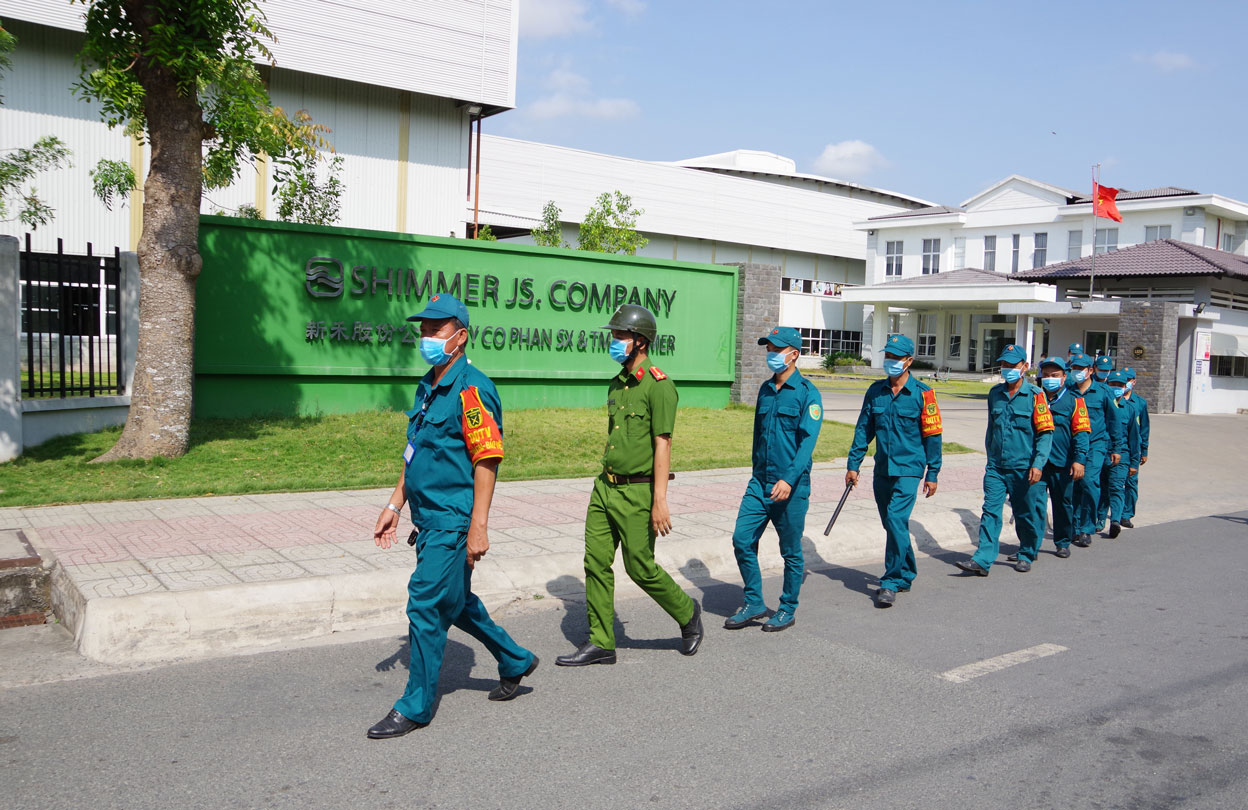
<point x="298" y="319"/>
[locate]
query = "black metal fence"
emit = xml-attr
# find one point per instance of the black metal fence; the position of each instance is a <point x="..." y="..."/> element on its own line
<point x="71" y="323"/>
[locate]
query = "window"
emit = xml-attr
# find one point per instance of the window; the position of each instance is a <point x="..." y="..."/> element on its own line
<point x="990" y="253"/>
<point x="1014" y="255"/>
<point x="959" y="252"/>
<point x="830" y="341"/>
<point x="1228" y="242"/>
<point x="926" y="346"/>
<point x="955" y="336"/>
<point x="894" y="323"/>
<point x="1106" y="240"/>
<point x="1074" y="245"/>
<point x="816" y="341"/>
<point x="1154" y="232"/>
<point x="1040" y="256"/>
<point x="1221" y="365"/>
<point x="892" y="258"/>
<point x="931" y="256"/>
<point x="1098" y="343"/>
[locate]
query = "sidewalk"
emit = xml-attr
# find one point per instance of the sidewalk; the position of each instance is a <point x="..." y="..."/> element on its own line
<point x="160" y="580"/>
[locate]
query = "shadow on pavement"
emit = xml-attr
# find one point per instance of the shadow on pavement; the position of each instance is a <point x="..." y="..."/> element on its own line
<point x="457" y="662"/>
<point x="1232" y="519"/>
<point x="851" y="578"/>
<point x="719" y="598"/>
<point x="575" y="624"/>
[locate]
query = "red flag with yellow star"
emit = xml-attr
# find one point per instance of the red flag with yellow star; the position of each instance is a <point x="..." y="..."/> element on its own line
<point x="1104" y="203"/>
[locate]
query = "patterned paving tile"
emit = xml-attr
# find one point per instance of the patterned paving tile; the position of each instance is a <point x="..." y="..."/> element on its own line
<point x="174" y="565"/>
<point x="190" y="580"/>
<point x="97" y="553"/>
<point x="318" y="551"/>
<point x="107" y="570"/>
<point x="226" y="544"/>
<point x="338" y="565"/>
<point x="234" y="560"/>
<point x="120" y="586"/>
<point x="269" y="572"/>
<point x="517" y="548"/>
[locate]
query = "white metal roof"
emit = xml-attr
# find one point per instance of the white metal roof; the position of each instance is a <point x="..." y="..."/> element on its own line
<point x="519" y="177"/>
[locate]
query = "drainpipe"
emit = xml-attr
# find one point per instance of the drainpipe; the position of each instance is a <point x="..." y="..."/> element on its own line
<point x="476" y="192"/>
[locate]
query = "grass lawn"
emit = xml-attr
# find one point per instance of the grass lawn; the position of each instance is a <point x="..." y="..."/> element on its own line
<point x="357" y="451"/>
<point x="859" y="382"/>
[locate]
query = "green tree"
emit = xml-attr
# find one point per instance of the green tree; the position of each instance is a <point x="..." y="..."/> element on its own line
<point x="179" y="74"/>
<point x="550" y="233"/>
<point x="485" y="234"/>
<point x="301" y="196"/>
<point x="610" y="226"/>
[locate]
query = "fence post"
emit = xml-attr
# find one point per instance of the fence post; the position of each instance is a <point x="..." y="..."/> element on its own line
<point x="128" y="316"/>
<point x="10" y="351"/>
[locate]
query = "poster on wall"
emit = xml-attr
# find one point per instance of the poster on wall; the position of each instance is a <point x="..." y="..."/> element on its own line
<point x="1204" y="342"/>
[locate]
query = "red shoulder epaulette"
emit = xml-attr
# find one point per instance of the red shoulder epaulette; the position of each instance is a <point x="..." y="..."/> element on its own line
<point x="658" y="374"/>
<point x="1041" y="416"/>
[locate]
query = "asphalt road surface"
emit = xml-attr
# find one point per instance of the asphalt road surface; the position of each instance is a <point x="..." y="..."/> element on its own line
<point x="1115" y="679"/>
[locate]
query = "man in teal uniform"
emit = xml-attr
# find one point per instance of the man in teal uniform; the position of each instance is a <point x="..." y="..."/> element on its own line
<point x="788" y="413"/>
<point x="1072" y="350"/>
<point x="1018" y="440"/>
<point x="1068" y="453"/>
<point x="1104" y="448"/>
<point x="901" y="415"/>
<point x="1141" y="420"/>
<point x="1122" y="472"/>
<point x="454" y="446"/>
<point x="628" y="507"/>
<point x="1104" y="365"/>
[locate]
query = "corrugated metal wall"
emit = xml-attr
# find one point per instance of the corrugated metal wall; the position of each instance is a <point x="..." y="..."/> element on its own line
<point x="463" y="49"/>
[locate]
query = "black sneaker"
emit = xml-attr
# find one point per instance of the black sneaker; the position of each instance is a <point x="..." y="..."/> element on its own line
<point x="1115" y="529"/>
<point x="1083" y="540"/>
<point x="1062" y="552"/>
<point x="1127" y="524"/>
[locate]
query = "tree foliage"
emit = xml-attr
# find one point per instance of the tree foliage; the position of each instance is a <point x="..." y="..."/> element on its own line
<point x="301" y="195"/>
<point x="610" y="226"/>
<point x="550" y="232"/>
<point x="485" y="234"/>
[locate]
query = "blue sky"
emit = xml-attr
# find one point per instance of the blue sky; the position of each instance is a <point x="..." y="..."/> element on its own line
<point x="937" y="100"/>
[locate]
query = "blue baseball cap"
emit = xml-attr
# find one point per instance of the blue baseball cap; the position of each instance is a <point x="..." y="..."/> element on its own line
<point x="1081" y="360"/>
<point x="1104" y="363"/>
<point x="899" y="346"/>
<point x="442" y="305"/>
<point x="1074" y="348"/>
<point x="1130" y="373"/>
<point x="1054" y="361"/>
<point x="782" y="337"/>
<point x="1012" y="354"/>
<point x="1118" y="375"/>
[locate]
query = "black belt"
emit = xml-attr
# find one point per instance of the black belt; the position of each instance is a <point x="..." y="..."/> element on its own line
<point x="632" y="479"/>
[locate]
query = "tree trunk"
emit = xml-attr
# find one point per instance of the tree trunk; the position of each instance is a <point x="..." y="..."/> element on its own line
<point x="169" y="264"/>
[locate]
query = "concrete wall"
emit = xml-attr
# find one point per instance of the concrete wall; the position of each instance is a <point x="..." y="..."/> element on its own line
<point x="1148" y="335"/>
<point x="758" y="312"/>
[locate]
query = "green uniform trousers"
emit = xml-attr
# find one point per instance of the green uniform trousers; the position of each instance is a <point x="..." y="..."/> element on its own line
<point x="1027" y="501"/>
<point x="619" y="517"/>
<point x="1061" y="488"/>
<point x="1132" y="496"/>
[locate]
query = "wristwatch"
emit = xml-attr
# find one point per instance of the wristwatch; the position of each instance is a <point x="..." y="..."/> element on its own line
<point x="394" y="509"/>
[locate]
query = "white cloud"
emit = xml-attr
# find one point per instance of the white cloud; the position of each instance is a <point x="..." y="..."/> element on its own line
<point x="1168" y="61"/>
<point x="540" y="19"/>
<point x="630" y="7"/>
<point x="562" y="105"/>
<point x="564" y="80"/>
<point x="850" y="160"/>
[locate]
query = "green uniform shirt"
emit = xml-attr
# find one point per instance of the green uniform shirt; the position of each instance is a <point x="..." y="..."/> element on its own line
<point x="640" y="406"/>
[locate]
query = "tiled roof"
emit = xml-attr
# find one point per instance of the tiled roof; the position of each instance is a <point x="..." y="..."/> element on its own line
<point x="921" y="212"/>
<point x="969" y="275"/>
<point x="1165" y="257"/>
<point x="1146" y="194"/>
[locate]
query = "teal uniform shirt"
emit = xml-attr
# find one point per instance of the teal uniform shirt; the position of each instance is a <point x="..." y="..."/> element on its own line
<point x="450" y="428"/>
<point x="894" y="423"/>
<point x="1141" y="419"/>
<point x="786" y="428"/>
<point x="1126" y="416"/>
<point x="1017" y="438"/>
<point x="1070" y="444"/>
<point x="1106" y="431"/>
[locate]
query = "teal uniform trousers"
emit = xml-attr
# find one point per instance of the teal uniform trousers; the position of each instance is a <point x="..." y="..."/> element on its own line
<point x="1061" y="489"/>
<point x="1027" y="501"/>
<point x="894" y="500"/>
<point x="789" y="518"/>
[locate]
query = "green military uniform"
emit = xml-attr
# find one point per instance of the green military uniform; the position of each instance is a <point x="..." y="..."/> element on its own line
<point x="640" y="406"/>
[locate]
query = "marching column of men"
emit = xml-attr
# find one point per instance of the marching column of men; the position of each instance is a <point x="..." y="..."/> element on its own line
<point x="1070" y="440"/>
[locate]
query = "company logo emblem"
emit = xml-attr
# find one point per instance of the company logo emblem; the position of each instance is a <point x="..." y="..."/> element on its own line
<point x="815" y="411"/>
<point x="323" y="277"/>
<point x="473" y="415"/>
<point x="931" y="408"/>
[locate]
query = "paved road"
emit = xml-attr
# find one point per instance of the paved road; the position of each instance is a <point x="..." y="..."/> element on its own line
<point x="1141" y="704"/>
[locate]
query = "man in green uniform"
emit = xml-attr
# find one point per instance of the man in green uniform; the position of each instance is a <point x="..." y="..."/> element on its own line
<point x="787" y="416"/>
<point x="628" y="507"/>
<point x="1019" y="436"/>
<point x="900" y="413"/>
<point x="1142" y="421"/>
<point x="454" y="446"/>
<point x="1124" y="471"/>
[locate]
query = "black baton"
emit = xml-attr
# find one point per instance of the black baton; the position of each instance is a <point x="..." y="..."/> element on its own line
<point x="839" y="506"/>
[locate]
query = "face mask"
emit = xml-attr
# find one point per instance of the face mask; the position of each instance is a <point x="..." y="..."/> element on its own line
<point x="1130" y="384"/>
<point x="1102" y="375"/>
<point x="1079" y="376"/>
<point x="433" y="350"/>
<point x="1051" y="383"/>
<point x="619" y="350"/>
<point x="777" y="362"/>
<point x="894" y="368"/>
<point x="1118" y="392"/>
<point x="1011" y="375"/>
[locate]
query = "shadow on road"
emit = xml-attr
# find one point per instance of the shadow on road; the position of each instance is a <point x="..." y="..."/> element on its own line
<point x="457" y="662"/>
<point x="575" y="624"/>
<point x="853" y="579"/>
<point x="719" y="598"/>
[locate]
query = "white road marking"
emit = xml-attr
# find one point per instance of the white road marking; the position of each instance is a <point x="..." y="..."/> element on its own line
<point x="988" y="665"/>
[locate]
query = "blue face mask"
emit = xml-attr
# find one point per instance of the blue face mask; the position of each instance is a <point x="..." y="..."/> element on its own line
<point x="433" y="350"/>
<point x="776" y="361"/>
<point x="1102" y="375"/>
<point x="1011" y="375"/>
<point x="894" y="368"/>
<point x="1118" y="392"/>
<point x="1079" y="376"/>
<point x="619" y="350"/>
<point x="1130" y="384"/>
<point x="1051" y="383"/>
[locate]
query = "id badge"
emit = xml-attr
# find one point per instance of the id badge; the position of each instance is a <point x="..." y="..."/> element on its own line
<point x="408" y="453"/>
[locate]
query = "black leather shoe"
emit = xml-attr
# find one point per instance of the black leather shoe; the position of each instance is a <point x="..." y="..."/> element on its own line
<point x="1115" y="529"/>
<point x="1127" y="524"/>
<point x="1012" y="558"/>
<point x="586" y="655"/>
<point x="1063" y="552"/>
<point x="508" y="687"/>
<point x="393" y="725"/>
<point x="972" y="567"/>
<point x="884" y="598"/>
<point x="1083" y="540"/>
<point x="691" y="632"/>
<point x="1022" y="566"/>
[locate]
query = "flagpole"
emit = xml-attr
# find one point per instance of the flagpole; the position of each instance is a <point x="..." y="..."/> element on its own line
<point x="1096" y="182"/>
